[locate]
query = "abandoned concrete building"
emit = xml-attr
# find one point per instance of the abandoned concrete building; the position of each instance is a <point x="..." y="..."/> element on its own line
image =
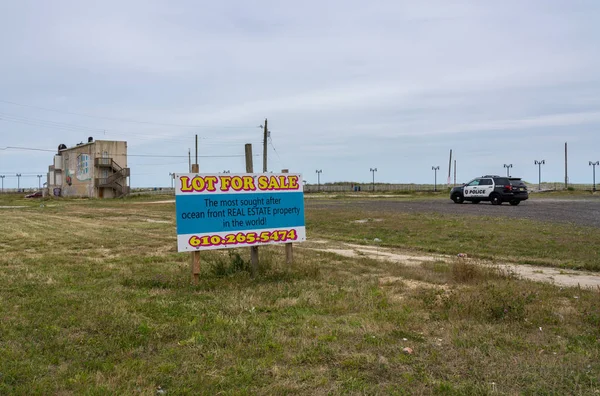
<point x="96" y="169"/>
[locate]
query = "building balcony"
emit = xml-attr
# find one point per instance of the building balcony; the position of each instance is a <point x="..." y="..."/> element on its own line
<point x="104" y="162"/>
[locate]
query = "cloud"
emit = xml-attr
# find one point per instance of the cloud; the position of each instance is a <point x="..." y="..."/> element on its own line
<point x="342" y="82"/>
<point x="551" y="120"/>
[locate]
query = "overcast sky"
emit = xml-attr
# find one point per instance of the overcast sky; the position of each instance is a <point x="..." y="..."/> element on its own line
<point x="346" y="85"/>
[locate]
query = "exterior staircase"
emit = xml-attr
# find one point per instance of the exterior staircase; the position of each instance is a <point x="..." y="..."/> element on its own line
<point x="117" y="180"/>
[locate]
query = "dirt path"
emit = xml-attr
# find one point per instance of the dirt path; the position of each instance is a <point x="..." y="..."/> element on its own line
<point x="155" y="202"/>
<point x="559" y="277"/>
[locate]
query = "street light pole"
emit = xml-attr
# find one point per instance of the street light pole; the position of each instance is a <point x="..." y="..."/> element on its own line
<point x="18" y="182"/>
<point x="2" y="177"/>
<point x="508" y="166"/>
<point x="373" y="170"/>
<point x="172" y="175"/>
<point x="593" y="165"/>
<point x="318" y="172"/>
<point x="435" y="169"/>
<point x="539" y="164"/>
<point x="39" y="181"/>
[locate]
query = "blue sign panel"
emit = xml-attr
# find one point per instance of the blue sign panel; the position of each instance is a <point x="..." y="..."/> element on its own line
<point x="216" y="211"/>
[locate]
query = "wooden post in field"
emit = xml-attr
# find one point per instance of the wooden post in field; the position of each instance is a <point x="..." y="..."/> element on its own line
<point x="195" y="259"/>
<point x="566" y="173"/>
<point x="253" y="249"/>
<point x="289" y="250"/>
<point x="455" y="172"/>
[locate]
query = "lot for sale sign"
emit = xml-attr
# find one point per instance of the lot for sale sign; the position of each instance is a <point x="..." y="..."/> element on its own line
<point x="219" y="211"/>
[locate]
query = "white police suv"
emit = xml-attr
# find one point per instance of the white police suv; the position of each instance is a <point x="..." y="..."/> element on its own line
<point x="496" y="189"/>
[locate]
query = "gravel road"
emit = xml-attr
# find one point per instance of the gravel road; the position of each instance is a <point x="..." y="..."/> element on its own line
<point x="580" y="211"/>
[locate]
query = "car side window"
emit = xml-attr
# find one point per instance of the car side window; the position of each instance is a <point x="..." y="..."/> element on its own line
<point x="485" y="182"/>
<point x="473" y="183"/>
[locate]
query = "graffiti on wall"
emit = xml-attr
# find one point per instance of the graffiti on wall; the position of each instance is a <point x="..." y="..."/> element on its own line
<point x="83" y="167"/>
<point x="68" y="171"/>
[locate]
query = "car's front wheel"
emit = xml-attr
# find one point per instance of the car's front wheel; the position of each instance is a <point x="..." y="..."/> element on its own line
<point x="496" y="199"/>
<point x="458" y="198"/>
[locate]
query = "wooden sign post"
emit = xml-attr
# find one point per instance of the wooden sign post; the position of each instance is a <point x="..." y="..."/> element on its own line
<point x="289" y="249"/>
<point x="253" y="249"/>
<point x="231" y="211"/>
<point x="195" y="259"/>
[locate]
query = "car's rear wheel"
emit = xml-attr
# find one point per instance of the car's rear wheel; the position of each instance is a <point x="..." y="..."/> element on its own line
<point x="515" y="202"/>
<point x="475" y="201"/>
<point x="496" y="199"/>
<point x="458" y="198"/>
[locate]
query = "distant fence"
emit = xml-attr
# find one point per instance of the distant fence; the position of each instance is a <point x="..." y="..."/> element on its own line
<point x="348" y="188"/>
<point x="153" y="191"/>
<point x="19" y="190"/>
<point x="559" y="187"/>
<point x="312" y="188"/>
<point x="339" y="188"/>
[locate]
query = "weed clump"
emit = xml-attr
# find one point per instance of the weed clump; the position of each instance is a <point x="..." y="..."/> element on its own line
<point x="471" y="272"/>
<point x="222" y="266"/>
<point x="492" y="302"/>
<point x="463" y="272"/>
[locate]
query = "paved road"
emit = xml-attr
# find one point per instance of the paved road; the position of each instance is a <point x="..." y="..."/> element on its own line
<point x="580" y="211"/>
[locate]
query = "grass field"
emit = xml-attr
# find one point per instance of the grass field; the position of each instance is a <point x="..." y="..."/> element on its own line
<point x="95" y="299"/>
<point x="491" y="238"/>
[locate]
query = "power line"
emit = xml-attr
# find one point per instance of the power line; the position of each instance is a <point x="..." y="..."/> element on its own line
<point x="271" y="141"/>
<point x="136" y="155"/>
<point x="185" y="156"/>
<point x="81" y="128"/>
<point x="24" y="148"/>
<point x="15" y="172"/>
<point x="118" y="119"/>
<point x="103" y="131"/>
<point x="21" y="174"/>
<point x="156" y="164"/>
<point x="54" y="123"/>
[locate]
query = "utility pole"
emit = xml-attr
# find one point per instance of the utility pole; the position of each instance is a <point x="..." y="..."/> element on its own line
<point x="39" y="181"/>
<point x="508" y="166"/>
<point x="449" y="166"/>
<point x="455" y="172"/>
<point x="265" y="136"/>
<point x="189" y="160"/>
<point x="373" y="170"/>
<point x="196" y="163"/>
<point x="539" y="164"/>
<point x="2" y="177"/>
<point x="435" y="169"/>
<point x="566" y="174"/>
<point x="18" y="182"/>
<point x="319" y="171"/>
<point x="593" y="165"/>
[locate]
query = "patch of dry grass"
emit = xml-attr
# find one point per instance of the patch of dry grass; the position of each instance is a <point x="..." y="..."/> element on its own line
<point x="93" y="304"/>
<point x="496" y="239"/>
